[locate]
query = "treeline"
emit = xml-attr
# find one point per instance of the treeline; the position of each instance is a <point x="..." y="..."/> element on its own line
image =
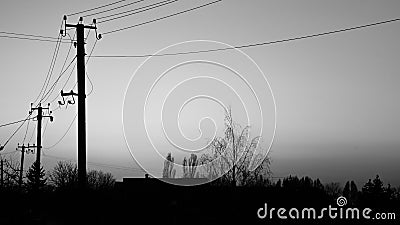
<point x="64" y="176"/>
<point x="372" y="194"/>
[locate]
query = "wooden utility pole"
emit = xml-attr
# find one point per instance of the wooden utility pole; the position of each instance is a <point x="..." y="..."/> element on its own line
<point x="81" y="77"/>
<point x="39" y="117"/>
<point x="2" y="178"/>
<point x="24" y="149"/>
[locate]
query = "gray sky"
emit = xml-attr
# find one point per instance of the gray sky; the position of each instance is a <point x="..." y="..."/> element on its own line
<point x="336" y="96"/>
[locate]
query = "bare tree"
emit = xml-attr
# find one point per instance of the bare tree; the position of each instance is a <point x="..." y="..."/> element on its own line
<point x="234" y="157"/>
<point x="11" y="173"/>
<point x="99" y="180"/>
<point x="64" y="175"/>
<point x="169" y="171"/>
<point x="190" y="166"/>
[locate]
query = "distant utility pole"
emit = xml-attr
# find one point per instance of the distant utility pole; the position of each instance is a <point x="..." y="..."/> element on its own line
<point x="2" y="178"/>
<point x="81" y="77"/>
<point x="24" y="149"/>
<point x="40" y="116"/>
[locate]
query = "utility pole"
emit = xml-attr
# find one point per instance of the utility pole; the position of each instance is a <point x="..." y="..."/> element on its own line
<point x="2" y="178"/>
<point x="81" y="77"/>
<point x="40" y="116"/>
<point x="24" y="149"/>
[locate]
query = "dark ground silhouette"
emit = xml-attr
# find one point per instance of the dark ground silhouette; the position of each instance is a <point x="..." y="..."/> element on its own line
<point x="152" y="201"/>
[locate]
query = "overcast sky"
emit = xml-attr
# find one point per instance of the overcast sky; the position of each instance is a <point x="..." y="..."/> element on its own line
<point x="336" y="96"/>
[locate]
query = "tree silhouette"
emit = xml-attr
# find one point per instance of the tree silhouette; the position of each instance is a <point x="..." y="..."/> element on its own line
<point x="374" y="193"/>
<point x="64" y="175"/>
<point x="169" y="171"/>
<point x="368" y="187"/>
<point x="346" y="190"/>
<point x="190" y="166"/>
<point x="350" y="191"/>
<point x="378" y="186"/>
<point x="99" y="180"/>
<point x="278" y="184"/>
<point x="333" y="190"/>
<point x="235" y="158"/>
<point x="353" y="193"/>
<point x="34" y="182"/>
<point x="10" y="172"/>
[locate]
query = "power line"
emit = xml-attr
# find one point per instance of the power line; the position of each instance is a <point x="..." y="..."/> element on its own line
<point x="161" y="18"/>
<point x="66" y="82"/>
<point x="62" y="137"/>
<point x="50" y="91"/>
<point x="28" y="35"/>
<point x="91" y="84"/>
<point x="59" y="37"/>
<point x="70" y="74"/>
<point x="45" y="128"/>
<point x="31" y="39"/>
<point x="33" y="132"/>
<point x="118" y="7"/>
<point x="87" y="60"/>
<point x="96" y="164"/>
<point x="51" y="63"/>
<point x="99" y="7"/>
<point x="19" y="121"/>
<point x="131" y="10"/>
<point x="12" y="135"/>
<point x="145" y="8"/>
<point x="253" y="45"/>
<point x="51" y="69"/>
<point x="62" y="71"/>
<point x="26" y="131"/>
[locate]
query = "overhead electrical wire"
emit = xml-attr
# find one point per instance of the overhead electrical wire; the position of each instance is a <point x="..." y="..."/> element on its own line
<point x="130" y="10"/>
<point x="62" y="137"/>
<point x="50" y="91"/>
<point x="161" y="18"/>
<point x="62" y="71"/>
<point x="144" y="9"/>
<point x="87" y="61"/>
<point x="66" y="82"/>
<point x="118" y="7"/>
<point x="70" y="74"/>
<point x="28" y="35"/>
<point x="19" y="127"/>
<point x="51" y="64"/>
<point x="99" y="7"/>
<point x="31" y="39"/>
<point x="33" y="132"/>
<point x="96" y="164"/>
<point x="253" y="45"/>
<point x="51" y="69"/>
<point x="45" y="128"/>
<point x="27" y="128"/>
<point x="19" y="121"/>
